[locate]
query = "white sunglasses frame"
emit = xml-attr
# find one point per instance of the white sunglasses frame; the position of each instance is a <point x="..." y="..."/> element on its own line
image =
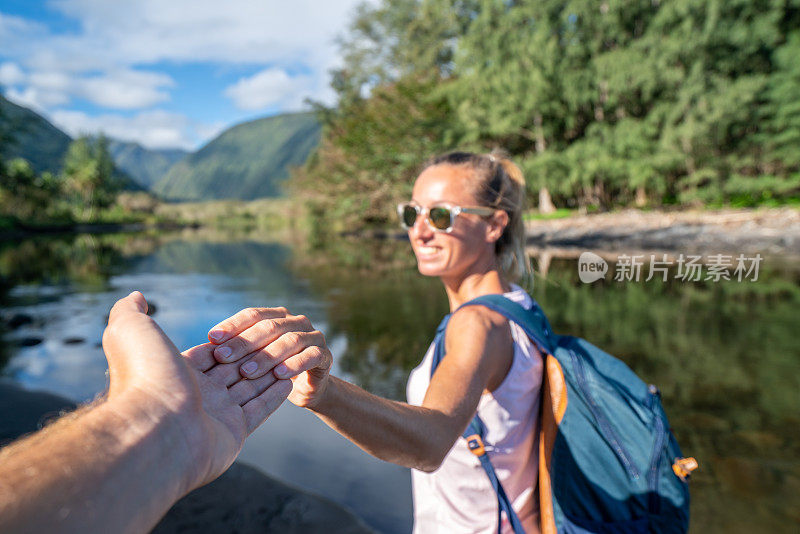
<point x="454" y="212"/>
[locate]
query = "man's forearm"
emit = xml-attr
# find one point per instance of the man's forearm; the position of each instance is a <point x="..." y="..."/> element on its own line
<point x="114" y="467"/>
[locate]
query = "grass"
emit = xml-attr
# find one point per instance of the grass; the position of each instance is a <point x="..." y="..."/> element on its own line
<point x="262" y="214"/>
<point x="560" y="213"/>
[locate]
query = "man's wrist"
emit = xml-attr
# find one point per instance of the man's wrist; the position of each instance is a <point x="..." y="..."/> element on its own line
<point x="148" y="423"/>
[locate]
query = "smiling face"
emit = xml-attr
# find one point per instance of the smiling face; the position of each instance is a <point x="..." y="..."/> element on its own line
<point x="469" y="247"/>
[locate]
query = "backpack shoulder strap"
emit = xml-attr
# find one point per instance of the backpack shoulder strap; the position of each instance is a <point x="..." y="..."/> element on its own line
<point x="536" y="327"/>
<point x="532" y="321"/>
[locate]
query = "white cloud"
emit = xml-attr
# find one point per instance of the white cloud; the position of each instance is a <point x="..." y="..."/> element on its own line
<point x="269" y="88"/>
<point x="11" y="74"/>
<point x="36" y="98"/>
<point x="123" y="37"/>
<point x="118" y="89"/>
<point x="152" y="129"/>
<point x="52" y="81"/>
<point x="112" y="56"/>
<point x="16" y="35"/>
<point x="239" y="31"/>
<point x="145" y="32"/>
<point x="126" y="89"/>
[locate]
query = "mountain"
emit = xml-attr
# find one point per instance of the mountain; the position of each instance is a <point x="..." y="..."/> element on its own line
<point x="145" y="166"/>
<point x="247" y="161"/>
<point x="33" y="138"/>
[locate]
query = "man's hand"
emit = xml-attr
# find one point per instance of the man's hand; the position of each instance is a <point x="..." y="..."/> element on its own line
<point x="118" y="465"/>
<point x="267" y="342"/>
<point x="145" y="368"/>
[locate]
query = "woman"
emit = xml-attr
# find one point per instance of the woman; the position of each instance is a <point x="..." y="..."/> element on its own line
<point x="465" y="226"/>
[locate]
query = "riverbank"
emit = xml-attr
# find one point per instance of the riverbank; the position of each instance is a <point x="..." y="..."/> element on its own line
<point x="265" y="215"/>
<point x="24" y="231"/>
<point x="774" y="231"/>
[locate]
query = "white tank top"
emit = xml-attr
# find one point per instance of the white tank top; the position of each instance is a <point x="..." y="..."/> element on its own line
<point x="458" y="498"/>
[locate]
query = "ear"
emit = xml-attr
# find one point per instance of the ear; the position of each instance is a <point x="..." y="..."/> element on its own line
<point x="497" y="225"/>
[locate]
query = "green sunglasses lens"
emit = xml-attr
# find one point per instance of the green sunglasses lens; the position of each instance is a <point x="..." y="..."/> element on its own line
<point x="409" y="216"/>
<point x="440" y="218"/>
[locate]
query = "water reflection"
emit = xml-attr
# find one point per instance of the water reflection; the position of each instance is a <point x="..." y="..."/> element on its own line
<point x="375" y="298"/>
<point x="724" y="355"/>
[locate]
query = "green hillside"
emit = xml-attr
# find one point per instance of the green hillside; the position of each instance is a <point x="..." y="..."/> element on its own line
<point x="34" y="138"/>
<point x="145" y="166"/>
<point x="247" y="161"/>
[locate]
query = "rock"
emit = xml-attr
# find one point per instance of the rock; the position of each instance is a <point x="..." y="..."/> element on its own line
<point x="74" y="340"/>
<point x="23" y="411"/>
<point x="19" y="319"/>
<point x="775" y="231"/>
<point x="245" y="501"/>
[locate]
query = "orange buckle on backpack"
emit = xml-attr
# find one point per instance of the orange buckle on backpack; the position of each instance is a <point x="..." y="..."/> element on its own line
<point x="683" y="467"/>
<point x="475" y="444"/>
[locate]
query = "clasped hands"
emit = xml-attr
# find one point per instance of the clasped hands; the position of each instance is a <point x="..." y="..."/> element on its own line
<point x="257" y="346"/>
<point x="216" y="393"/>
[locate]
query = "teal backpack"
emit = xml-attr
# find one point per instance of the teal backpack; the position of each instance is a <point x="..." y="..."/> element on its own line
<point x="608" y="461"/>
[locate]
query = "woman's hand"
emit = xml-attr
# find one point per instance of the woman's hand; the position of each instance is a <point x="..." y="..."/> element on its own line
<point x="268" y="340"/>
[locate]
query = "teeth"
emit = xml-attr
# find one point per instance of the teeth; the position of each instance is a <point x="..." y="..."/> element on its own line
<point x="428" y="250"/>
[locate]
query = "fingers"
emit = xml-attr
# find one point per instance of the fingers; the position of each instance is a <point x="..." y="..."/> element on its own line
<point x="259" y="336"/>
<point x="311" y="358"/>
<point x="241" y="321"/>
<point x="258" y="409"/>
<point x="226" y="374"/>
<point x="244" y="391"/>
<point x="139" y="353"/>
<point x="134" y="302"/>
<point x="129" y="328"/>
<point x="286" y="346"/>
<point x="201" y="357"/>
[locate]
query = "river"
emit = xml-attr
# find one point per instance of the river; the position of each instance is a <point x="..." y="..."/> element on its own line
<point x="724" y="353"/>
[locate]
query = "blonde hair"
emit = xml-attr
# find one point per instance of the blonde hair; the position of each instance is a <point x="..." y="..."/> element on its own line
<point x="499" y="183"/>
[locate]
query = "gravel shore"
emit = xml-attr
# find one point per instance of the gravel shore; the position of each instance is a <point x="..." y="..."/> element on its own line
<point x="767" y="231"/>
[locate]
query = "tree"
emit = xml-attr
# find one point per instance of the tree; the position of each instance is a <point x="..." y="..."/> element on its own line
<point x="370" y="153"/>
<point x="88" y="175"/>
<point x="390" y="117"/>
<point x="23" y="193"/>
<point x="506" y="90"/>
<point x="778" y="174"/>
<point x="601" y="103"/>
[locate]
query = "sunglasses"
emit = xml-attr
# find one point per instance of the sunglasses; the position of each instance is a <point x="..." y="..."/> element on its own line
<point x="440" y="217"/>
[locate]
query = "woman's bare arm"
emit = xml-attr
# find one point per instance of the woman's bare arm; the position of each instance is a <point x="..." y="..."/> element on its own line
<point x="479" y="354"/>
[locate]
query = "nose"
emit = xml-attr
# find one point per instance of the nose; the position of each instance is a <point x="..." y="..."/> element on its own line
<point x="421" y="229"/>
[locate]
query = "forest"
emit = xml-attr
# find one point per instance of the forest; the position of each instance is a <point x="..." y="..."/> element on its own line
<point x="603" y="104"/>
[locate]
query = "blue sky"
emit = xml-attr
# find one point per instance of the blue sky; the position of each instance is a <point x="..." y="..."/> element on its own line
<point x="167" y="73"/>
